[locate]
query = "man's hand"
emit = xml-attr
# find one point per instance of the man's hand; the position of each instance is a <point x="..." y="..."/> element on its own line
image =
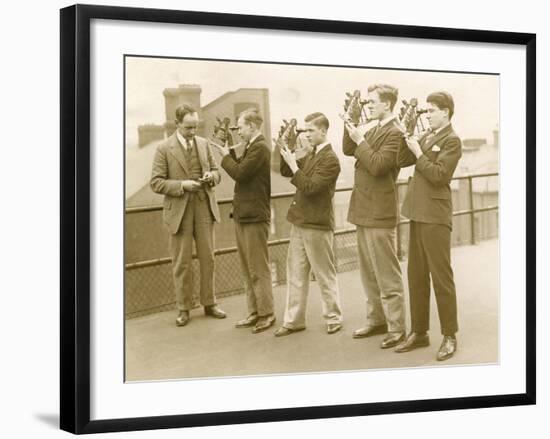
<point x="414" y="146"/>
<point x="355" y="133"/>
<point x="222" y="149"/>
<point x="190" y="185"/>
<point x="303" y="147"/>
<point x="289" y="157"/>
<point x="207" y="178"/>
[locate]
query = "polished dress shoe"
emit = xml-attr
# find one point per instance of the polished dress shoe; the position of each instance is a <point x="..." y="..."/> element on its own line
<point x="250" y="321"/>
<point x="214" y="311"/>
<point x="392" y="339"/>
<point x="264" y="322"/>
<point x="369" y="331"/>
<point x="413" y="341"/>
<point x="333" y="327"/>
<point x="282" y="331"/>
<point x="183" y="318"/>
<point x="447" y="348"/>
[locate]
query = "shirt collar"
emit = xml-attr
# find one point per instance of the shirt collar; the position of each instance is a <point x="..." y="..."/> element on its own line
<point x="321" y="146"/>
<point x="182" y="139"/>
<point x="387" y="120"/>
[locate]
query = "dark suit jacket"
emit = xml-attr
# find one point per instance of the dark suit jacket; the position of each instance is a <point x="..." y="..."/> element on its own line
<point x="315" y="183"/>
<point x="170" y="167"/>
<point x="428" y="198"/>
<point x="373" y="200"/>
<point x="252" y="175"/>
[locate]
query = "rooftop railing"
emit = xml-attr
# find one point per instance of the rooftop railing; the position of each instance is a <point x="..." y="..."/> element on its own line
<point x="149" y="285"/>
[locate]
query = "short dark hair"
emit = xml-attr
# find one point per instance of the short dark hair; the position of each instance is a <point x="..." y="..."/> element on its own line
<point x="184" y="110"/>
<point x="442" y="100"/>
<point x="318" y="119"/>
<point x="251" y="116"/>
<point x="387" y="93"/>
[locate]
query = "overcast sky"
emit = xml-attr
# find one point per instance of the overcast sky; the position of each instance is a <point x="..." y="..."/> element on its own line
<point x="295" y="91"/>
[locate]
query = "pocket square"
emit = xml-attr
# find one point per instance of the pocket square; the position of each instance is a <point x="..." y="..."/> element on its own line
<point x="436" y="148"/>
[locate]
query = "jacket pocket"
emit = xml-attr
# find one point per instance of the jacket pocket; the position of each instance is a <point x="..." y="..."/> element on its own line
<point x="384" y="203"/>
<point x="441" y="194"/>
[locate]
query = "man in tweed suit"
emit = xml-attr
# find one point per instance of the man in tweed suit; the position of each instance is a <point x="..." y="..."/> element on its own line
<point x="429" y="206"/>
<point x="373" y="209"/>
<point x="185" y="172"/>
<point x="312" y="232"/>
<point x="252" y="214"/>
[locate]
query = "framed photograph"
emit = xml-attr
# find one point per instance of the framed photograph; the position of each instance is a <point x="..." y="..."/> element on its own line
<point x="279" y="218"/>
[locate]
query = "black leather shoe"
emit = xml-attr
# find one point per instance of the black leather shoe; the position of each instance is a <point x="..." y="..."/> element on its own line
<point x="392" y="339"/>
<point x="447" y="348"/>
<point x="250" y="321"/>
<point x="413" y="341"/>
<point x="282" y="331"/>
<point x="369" y="331"/>
<point x="264" y="322"/>
<point x="183" y="318"/>
<point x="333" y="327"/>
<point x="214" y="311"/>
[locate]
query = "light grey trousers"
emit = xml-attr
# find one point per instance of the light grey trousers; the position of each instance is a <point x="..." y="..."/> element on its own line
<point x="197" y="225"/>
<point x="381" y="277"/>
<point x="310" y="249"/>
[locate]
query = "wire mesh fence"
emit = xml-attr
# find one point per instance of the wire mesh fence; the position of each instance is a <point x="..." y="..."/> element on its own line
<point x="149" y="286"/>
<point x="150" y="289"/>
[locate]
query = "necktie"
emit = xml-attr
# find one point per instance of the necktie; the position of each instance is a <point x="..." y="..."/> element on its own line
<point x="188" y="145"/>
<point x="314" y="151"/>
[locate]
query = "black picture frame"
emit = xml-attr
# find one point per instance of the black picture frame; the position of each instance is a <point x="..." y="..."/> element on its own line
<point x="75" y="217"/>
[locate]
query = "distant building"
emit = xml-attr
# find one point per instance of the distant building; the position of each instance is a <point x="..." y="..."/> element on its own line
<point x="231" y="104"/>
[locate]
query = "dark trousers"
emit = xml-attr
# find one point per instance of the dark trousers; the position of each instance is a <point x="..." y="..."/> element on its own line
<point x="430" y="255"/>
<point x="256" y="271"/>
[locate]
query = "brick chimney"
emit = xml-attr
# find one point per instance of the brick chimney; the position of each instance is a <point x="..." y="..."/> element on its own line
<point x="174" y="97"/>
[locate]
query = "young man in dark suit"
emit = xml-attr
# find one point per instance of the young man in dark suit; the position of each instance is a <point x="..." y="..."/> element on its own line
<point x="373" y="209"/>
<point x="252" y="214"/>
<point x="185" y="172"/>
<point x="428" y="204"/>
<point x="312" y="232"/>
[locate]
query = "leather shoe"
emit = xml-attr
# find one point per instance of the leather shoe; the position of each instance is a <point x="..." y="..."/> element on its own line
<point x="413" y="341"/>
<point x="392" y="339"/>
<point x="447" y="348"/>
<point x="214" y="311"/>
<point x="282" y="331"/>
<point x="369" y="331"/>
<point x="183" y="318"/>
<point x="333" y="327"/>
<point x="264" y="322"/>
<point x="250" y="321"/>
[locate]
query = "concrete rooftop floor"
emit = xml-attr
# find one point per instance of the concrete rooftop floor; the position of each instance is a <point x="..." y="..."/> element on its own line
<point x="156" y="349"/>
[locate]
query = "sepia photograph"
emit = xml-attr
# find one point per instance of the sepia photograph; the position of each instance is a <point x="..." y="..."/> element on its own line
<point x="296" y="218"/>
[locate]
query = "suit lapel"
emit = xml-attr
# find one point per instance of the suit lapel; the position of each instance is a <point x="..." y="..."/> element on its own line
<point x="201" y="149"/>
<point x="177" y="151"/>
<point x="429" y="142"/>
<point x="310" y="163"/>
<point x="379" y="132"/>
<point x="257" y="139"/>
